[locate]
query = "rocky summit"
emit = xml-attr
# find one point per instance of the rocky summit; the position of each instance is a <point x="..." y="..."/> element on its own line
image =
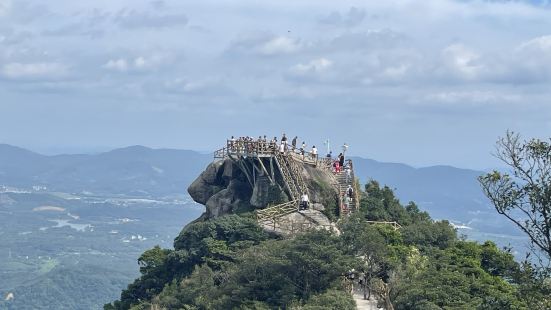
<point x="224" y="188"/>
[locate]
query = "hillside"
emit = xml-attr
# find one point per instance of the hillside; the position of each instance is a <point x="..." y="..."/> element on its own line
<point x="227" y="261"/>
<point x="134" y="170"/>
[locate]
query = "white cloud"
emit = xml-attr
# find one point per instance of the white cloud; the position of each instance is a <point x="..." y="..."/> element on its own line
<point x="374" y="57"/>
<point x="139" y="63"/>
<point x="540" y="44"/>
<point x="149" y="63"/>
<point x="18" y="70"/>
<point x="5" y="7"/>
<point x="469" y="98"/>
<point x="462" y="61"/>
<point x="117" y="65"/>
<point x="266" y="44"/>
<point x="395" y="72"/>
<point x="315" y="66"/>
<point x="369" y="40"/>
<point x="133" y="19"/>
<point x="279" y="45"/>
<point x="185" y="85"/>
<point x="352" y="18"/>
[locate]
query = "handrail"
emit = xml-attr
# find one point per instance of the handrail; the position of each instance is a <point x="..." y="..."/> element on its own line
<point x="301" y="227"/>
<point x="277" y="210"/>
<point x="294" y="189"/>
<point x="257" y="148"/>
<point x="394" y="224"/>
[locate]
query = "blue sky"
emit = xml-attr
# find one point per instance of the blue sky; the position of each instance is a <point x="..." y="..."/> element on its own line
<point x="420" y="82"/>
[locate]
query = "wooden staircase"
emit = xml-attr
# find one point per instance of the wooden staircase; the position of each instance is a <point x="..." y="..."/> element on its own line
<point x="295" y="185"/>
<point x="292" y="175"/>
<point x="343" y="183"/>
<point x="269" y="215"/>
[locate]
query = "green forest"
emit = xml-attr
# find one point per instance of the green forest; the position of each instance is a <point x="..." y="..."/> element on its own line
<point x="231" y="263"/>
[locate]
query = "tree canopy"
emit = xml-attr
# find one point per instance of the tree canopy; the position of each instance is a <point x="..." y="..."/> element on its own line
<point x="524" y="195"/>
<point x="230" y="263"/>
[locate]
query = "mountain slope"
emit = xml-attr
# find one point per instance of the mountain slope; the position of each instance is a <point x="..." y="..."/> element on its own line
<point x="444" y="191"/>
<point x="135" y="170"/>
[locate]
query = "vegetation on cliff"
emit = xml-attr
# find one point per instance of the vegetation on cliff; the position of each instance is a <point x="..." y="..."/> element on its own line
<point x="229" y="262"/>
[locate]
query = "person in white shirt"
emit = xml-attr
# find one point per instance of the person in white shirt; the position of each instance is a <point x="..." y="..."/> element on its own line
<point x="314" y="152"/>
<point x="304" y="200"/>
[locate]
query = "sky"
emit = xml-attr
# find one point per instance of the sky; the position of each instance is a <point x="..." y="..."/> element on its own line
<point x="420" y="82"/>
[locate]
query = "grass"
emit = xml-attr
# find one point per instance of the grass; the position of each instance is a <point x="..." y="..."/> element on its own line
<point x="47" y="265"/>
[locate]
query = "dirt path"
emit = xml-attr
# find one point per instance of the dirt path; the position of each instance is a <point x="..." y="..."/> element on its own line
<point x="362" y="304"/>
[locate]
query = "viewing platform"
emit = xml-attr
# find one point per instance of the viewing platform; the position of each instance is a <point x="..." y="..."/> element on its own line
<point x="285" y="164"/>
<point x="266" y="149"/>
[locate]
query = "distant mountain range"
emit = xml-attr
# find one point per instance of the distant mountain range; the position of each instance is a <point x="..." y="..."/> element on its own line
<point x="134" y="170"/>
<point x="444" y="191"/>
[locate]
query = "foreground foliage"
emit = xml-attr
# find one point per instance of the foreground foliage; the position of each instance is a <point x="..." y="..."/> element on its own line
<point x="524" y="197"/>
<point x="230" y="263"/>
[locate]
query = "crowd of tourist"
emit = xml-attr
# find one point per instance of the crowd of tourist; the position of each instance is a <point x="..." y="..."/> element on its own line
<point x="250" y="145"/>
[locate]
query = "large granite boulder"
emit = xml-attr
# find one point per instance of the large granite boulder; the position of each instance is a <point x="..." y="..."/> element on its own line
<point x="266" y="193"/>
<point x="223" y="188"/>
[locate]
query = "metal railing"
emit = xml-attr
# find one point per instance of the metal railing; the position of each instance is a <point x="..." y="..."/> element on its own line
<point x="274" y="212"/>
<point x="293" y="227"/>
<point x="256" y="148"/>
<point x="394" y="225"/>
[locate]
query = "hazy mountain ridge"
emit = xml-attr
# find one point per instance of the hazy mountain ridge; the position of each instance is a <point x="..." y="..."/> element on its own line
<point x="132" y="170"/>
<point x="445" y="192"/>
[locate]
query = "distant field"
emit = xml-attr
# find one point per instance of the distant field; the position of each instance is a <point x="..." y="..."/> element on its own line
<point x="53" y="245"/>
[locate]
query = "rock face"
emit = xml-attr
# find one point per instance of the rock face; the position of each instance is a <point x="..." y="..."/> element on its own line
<point x="223" y="187"/>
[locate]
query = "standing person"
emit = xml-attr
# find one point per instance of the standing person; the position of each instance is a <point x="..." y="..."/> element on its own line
<point x="337" y="167"/>
<point x="274" y="144"/>
<point x="259" y="145"/>
<point x="232" y="144"/>
<point x="294" y="143"/>
<point x="350" y="191"/>
<point x="314" y="152"/>
<point x="341" y="159"/>
<point x="282" y="148"/>
<point x="303" y="149"/>
<point x="344" y="148"/>
<point x="348" y="171"/>
<point x="304" y="200"/>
